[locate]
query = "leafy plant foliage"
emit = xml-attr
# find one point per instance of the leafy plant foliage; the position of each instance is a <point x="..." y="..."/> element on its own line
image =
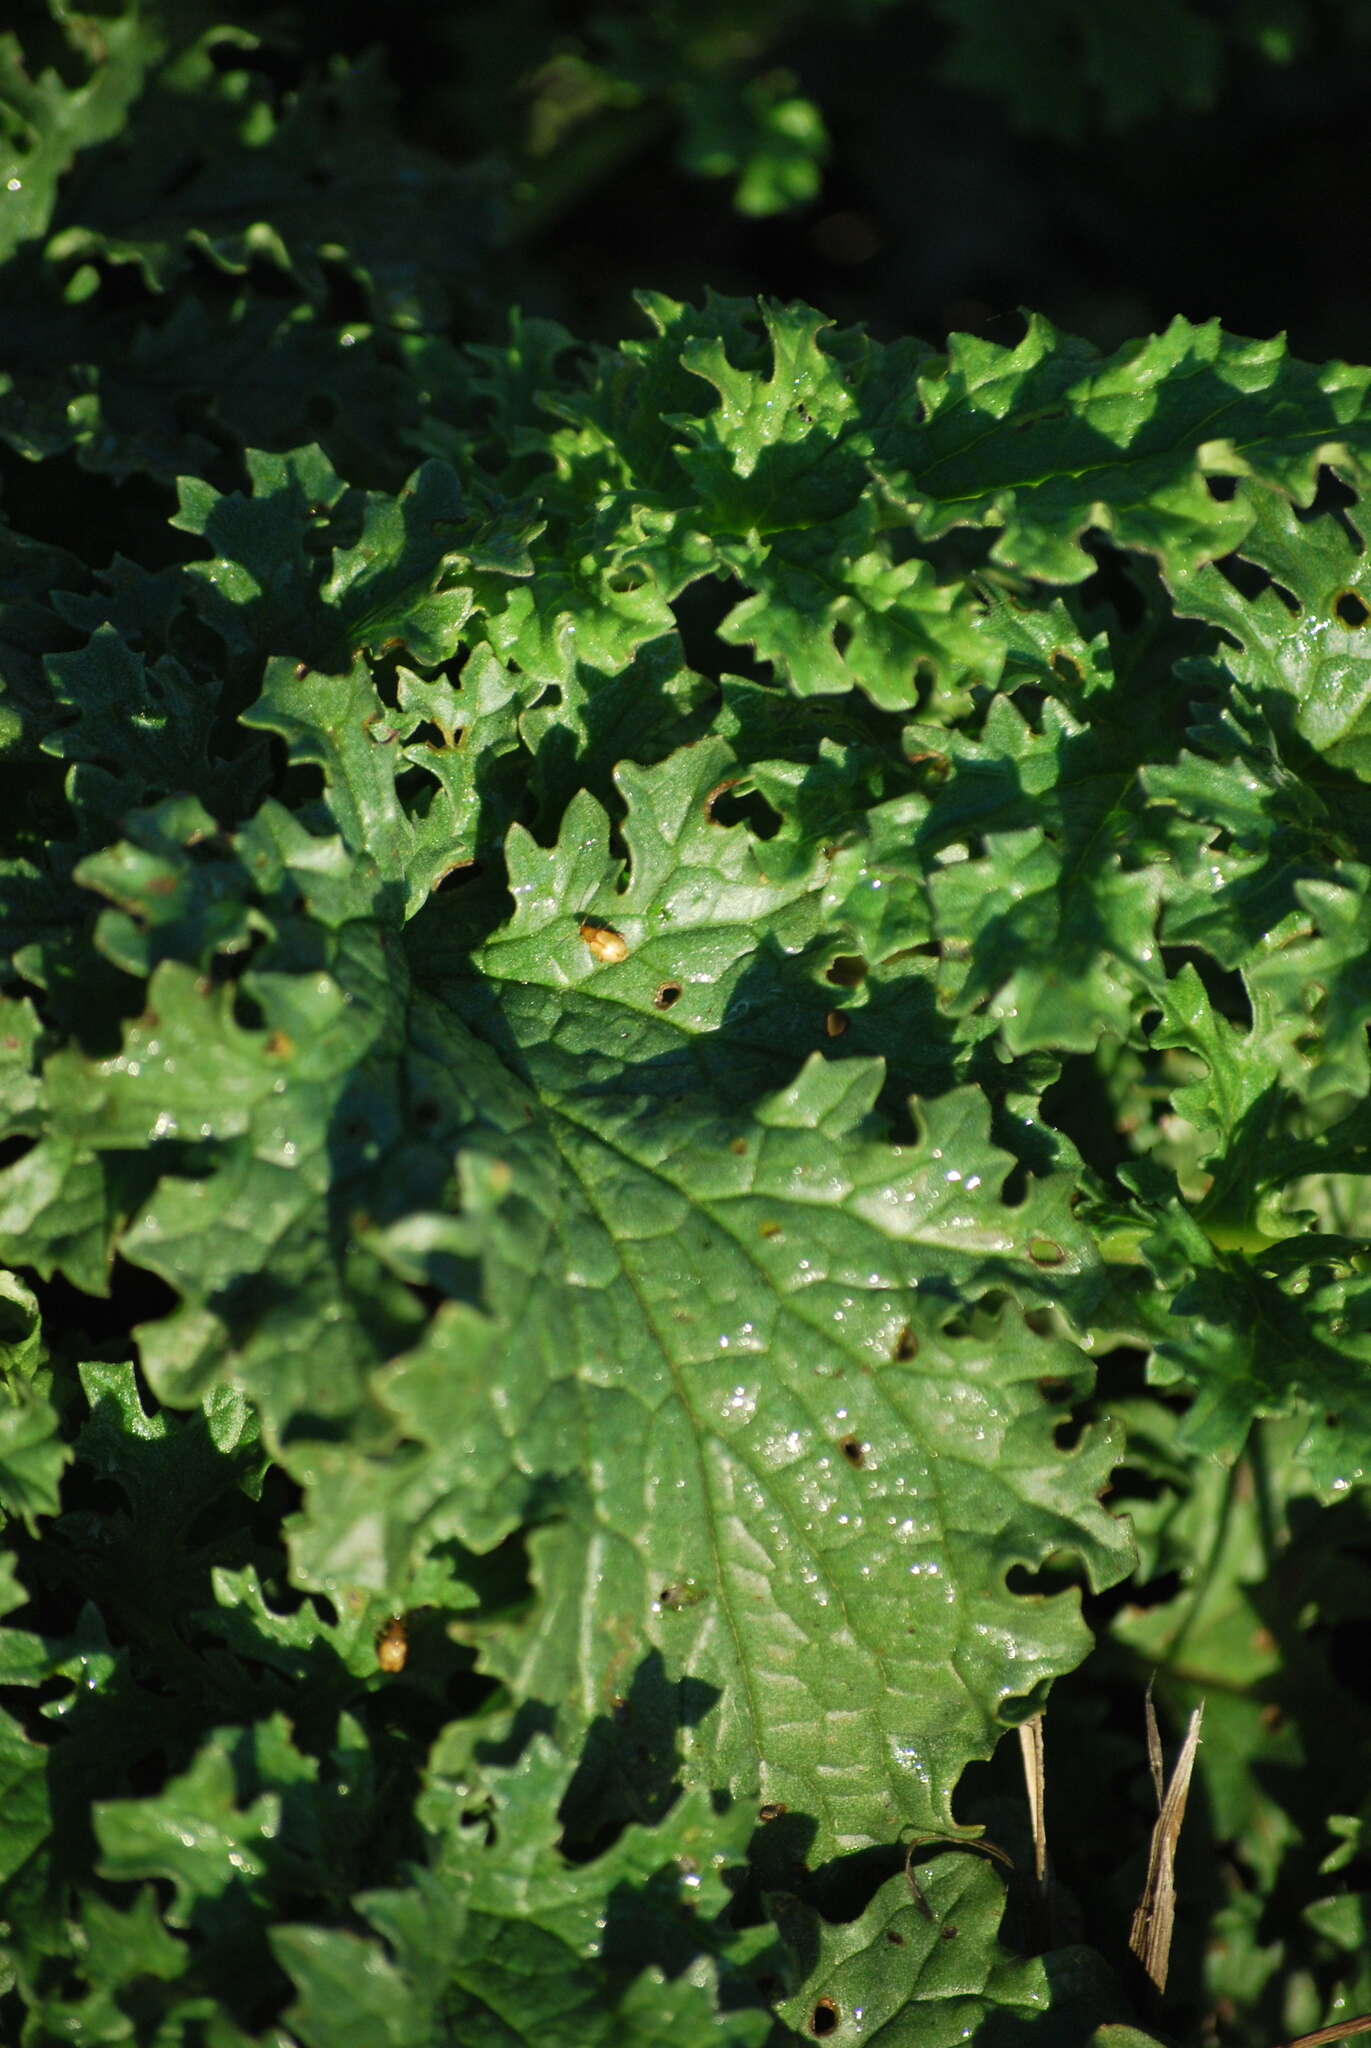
<point x="684" y="1043"/>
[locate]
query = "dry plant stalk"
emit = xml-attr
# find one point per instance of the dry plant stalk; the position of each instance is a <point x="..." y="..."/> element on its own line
<point x="1324" y="2037"/>
<point x="1155" y="1918"/>
<point x="1035" y="1780"/>
<point x="1155" y="1761"/>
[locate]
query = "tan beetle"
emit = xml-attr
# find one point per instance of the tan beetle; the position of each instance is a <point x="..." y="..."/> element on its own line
<point x="604" y="942"/>
<point x="392" y="1645"/>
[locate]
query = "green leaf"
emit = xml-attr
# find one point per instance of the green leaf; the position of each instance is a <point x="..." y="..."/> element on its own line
<point x="764" y="133"/>
<point x="1083" y="66"/>
<point x="1053" y="927"/>
<point x="32" y="1454"/>
<point x="1314" y="681"/>
<point x="584" y="1227"/>
<point x="924" y="1967"/>
<point x="1319" y="976"/>
<point x="151" y="724"/>
<point x="1048" y="440"/>
<point x="44" y="122"/>
<point x="1248" y="829"/>
<point x="825" y="1252"/>
<point x="525" y="1946"/>
<point x="26" y="1806"/>
<point x="397" y="578"/>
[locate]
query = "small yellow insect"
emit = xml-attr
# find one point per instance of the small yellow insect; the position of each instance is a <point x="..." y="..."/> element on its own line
<point x="605" y="943"/>
<point x="392" y="1645"/>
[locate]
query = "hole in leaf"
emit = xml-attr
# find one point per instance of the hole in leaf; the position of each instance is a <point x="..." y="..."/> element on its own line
<point x="247" y="1011"/>
<point x="1114" y="584"/>
<point x="906" y="1346"/>
<point x="457" y="877"/>
<point x="700" y="611"/>
<point x="1249" y="579"/>
<point x="854" y="1450"/>
<point x="895" y="1940"/>
<point x="1351" y="609"/>
<point x="1044" y="1251"/>
<point x="672" y="1599"/>
<point x="1066" y="668"/>
<point x="1044" y="1582"/>
<point x="849" y="970"/>
<point x="948" y="1933"/>
<point x="824" y="2019"/>
<point x="722" y="807"/>
<point x="935" y="768"/>
<point x="665" y="996"/>
<point x="1332" y="495"/>
<point x="1159" y="1592"/>
<point x="1222" y="489"/>
<point x="1129" y="1483"/>
<point x="720" y="789"/>
<point x="1225" y="987"/>
<point x="135" y="1296"/>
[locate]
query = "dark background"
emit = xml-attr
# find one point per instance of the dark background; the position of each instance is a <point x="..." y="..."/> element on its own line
<point x="937" y="210"/>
